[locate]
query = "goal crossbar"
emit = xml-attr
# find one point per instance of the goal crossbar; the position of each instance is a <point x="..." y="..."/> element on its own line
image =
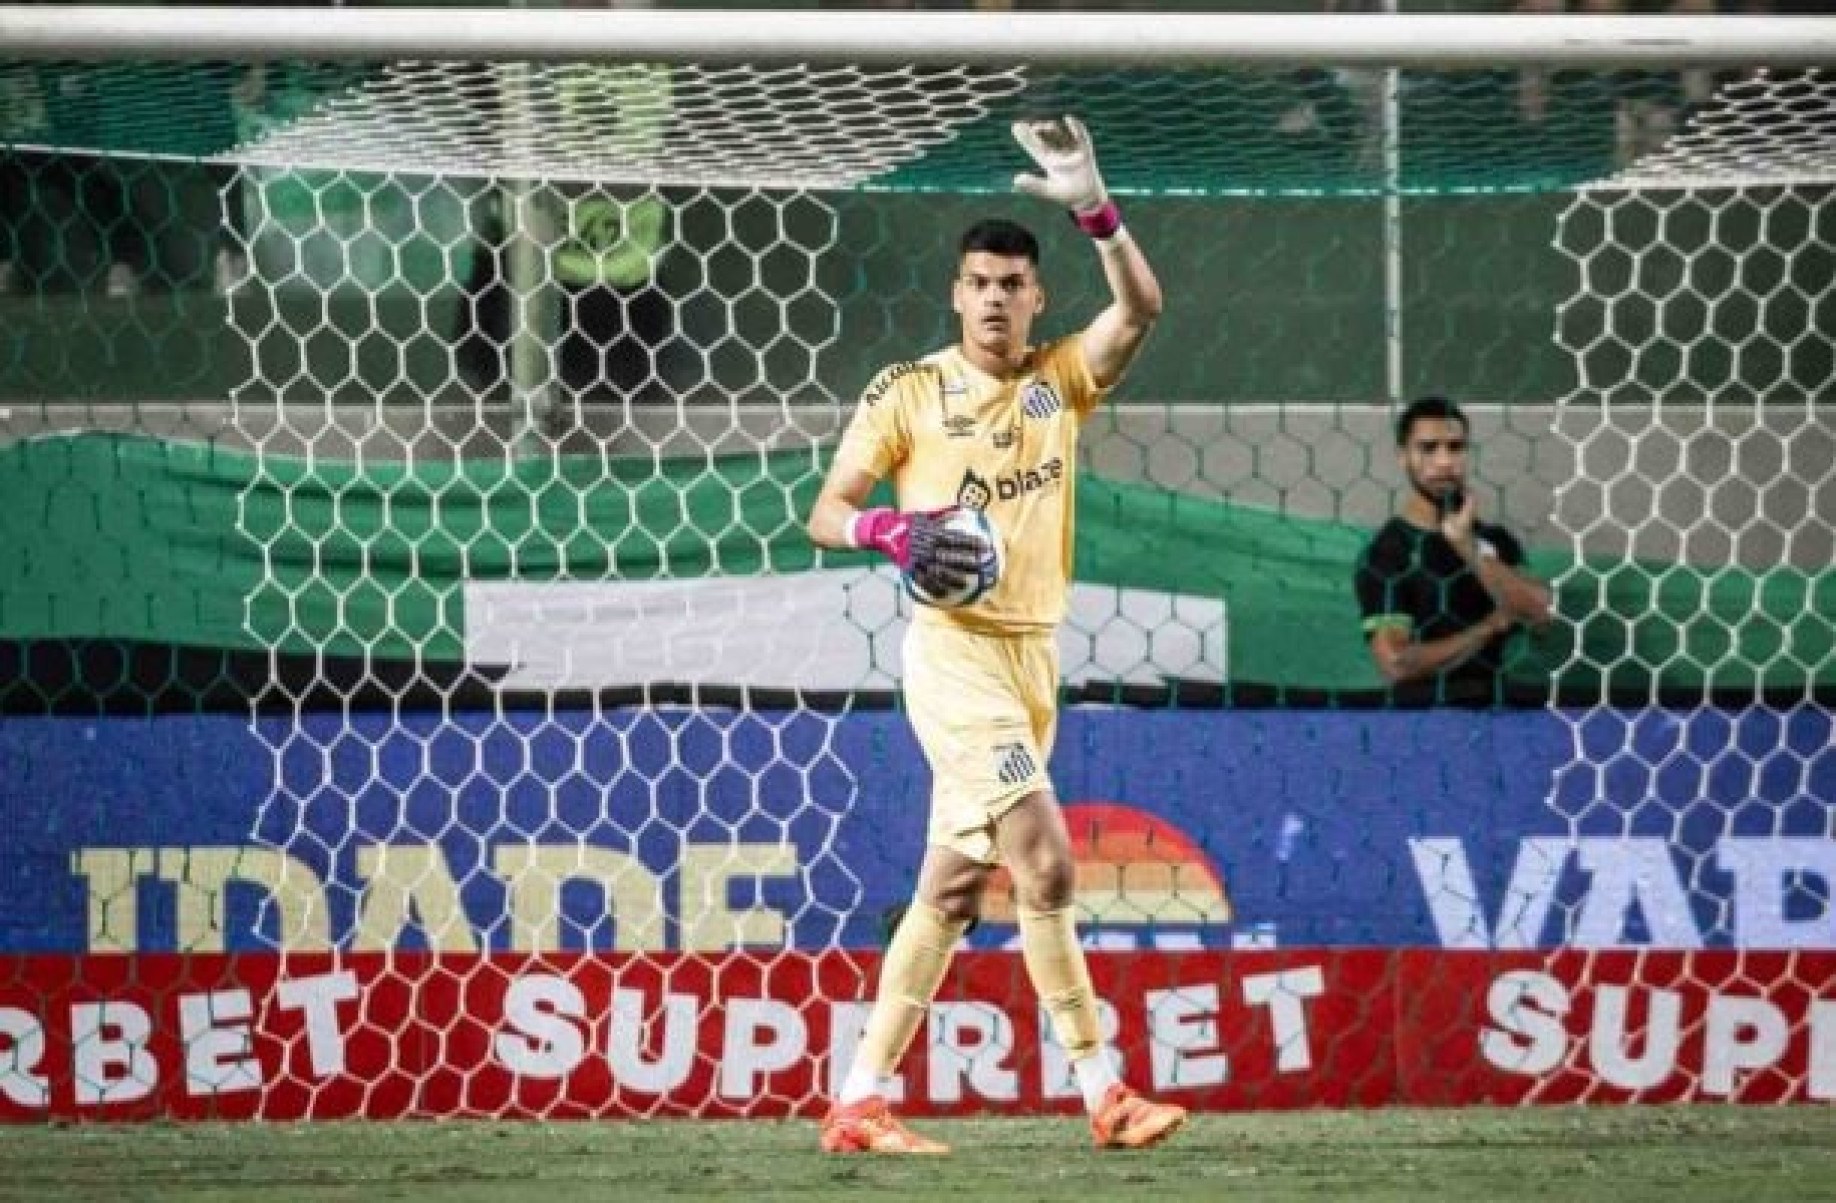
<point x="763" y="35"/>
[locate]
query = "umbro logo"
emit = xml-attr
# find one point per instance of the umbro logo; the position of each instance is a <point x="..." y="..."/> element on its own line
<point x="1014" y="763"/>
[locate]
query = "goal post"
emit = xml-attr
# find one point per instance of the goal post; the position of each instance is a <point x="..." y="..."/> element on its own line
<point x="898" y="38"/>
<point x="407" y="423"/>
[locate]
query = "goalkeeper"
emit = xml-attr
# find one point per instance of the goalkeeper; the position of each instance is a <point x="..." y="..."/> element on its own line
<point x="991" y="423"/>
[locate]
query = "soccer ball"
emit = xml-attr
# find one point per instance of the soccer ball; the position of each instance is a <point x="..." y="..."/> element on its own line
<point x="987" y="573"/>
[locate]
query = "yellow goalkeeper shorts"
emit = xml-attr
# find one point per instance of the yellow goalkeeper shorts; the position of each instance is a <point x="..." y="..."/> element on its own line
<point x="984" y="708"/>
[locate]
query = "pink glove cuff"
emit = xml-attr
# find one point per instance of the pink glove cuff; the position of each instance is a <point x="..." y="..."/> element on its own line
<point x="1100" y="222"/>
<point x="883" y="530"/>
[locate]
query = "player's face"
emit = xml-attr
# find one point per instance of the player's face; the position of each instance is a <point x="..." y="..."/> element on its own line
<point x="997" y="297"/>
<point x="1434" y="458"/>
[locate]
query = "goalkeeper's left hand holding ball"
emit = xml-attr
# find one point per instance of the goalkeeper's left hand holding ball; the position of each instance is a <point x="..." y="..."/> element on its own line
<point x="940" y="558"/>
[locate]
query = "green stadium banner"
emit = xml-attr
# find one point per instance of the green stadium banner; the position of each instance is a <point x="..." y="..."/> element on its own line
<point x="184" y="544"/>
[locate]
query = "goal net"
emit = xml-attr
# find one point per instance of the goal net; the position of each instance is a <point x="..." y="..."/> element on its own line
<point x="422" y="697"/>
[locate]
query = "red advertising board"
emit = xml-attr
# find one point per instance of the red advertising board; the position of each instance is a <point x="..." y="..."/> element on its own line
<point x="580" y="1035"/>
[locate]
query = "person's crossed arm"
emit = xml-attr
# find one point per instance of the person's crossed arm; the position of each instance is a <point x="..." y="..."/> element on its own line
<point x="1519" y="595"/>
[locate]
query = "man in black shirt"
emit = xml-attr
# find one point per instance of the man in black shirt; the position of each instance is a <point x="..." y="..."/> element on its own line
<point x="1442" y="592"/>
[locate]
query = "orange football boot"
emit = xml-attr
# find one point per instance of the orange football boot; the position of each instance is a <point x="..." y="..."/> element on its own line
<point x="1128" y="1121"/>
<point x="869" y="1127"/>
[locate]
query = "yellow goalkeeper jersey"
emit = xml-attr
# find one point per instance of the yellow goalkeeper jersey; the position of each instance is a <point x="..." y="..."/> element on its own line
<point x="948" y="433"/>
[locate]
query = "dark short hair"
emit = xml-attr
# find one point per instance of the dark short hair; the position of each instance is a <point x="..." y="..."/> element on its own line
<point x="998" y="236"/>
<point x="1427" y="407"/>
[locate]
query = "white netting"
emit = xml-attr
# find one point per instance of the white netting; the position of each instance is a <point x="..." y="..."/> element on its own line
<point x="1703" y="485"/>
<point x="706" y="200"/>
<point x="791" y="127"/>
<point x="538" y="363"/>
<point x="1765" y="128"/>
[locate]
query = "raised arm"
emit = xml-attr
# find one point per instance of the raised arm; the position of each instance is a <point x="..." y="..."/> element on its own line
<point x="1063" y="150"/>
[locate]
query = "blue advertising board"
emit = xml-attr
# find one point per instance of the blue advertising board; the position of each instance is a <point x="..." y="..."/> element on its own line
<point x="698" y="828"/>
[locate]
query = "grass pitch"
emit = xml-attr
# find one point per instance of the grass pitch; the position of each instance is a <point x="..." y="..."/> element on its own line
<point x="1672" y="1154"/>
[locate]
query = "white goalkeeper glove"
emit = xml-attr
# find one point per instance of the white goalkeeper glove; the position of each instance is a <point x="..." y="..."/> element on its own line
<point x="1062" y="148"/>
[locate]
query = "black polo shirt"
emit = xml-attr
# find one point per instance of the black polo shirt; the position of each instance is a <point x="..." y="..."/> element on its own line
<point x="1413" y="579"/>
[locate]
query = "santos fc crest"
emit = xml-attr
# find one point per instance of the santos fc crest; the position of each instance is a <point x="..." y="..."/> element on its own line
<point x="1039" y="400"/>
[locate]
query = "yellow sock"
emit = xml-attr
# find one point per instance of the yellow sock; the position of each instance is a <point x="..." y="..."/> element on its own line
<point x="910" y="974"/>
<point x="1055" y="962"/>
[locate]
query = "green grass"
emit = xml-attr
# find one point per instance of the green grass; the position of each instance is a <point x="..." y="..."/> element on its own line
<point x="1673" y="1154"/>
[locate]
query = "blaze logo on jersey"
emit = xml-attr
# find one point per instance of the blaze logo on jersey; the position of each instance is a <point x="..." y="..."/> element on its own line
<point x="975" y="492"/>
<point x="1021" y="481"/>
<point x="1040" y="401"/>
